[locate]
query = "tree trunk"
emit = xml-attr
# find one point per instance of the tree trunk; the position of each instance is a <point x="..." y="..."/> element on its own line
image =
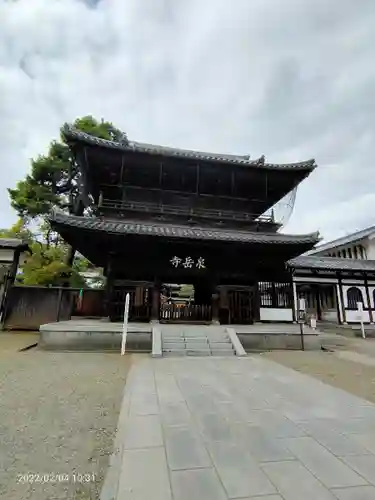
<point x="78" y="209"/>
<point x="70" y="256"/>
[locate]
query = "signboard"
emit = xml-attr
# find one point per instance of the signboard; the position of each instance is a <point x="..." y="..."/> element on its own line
<point x="301" y="316"/>
<point x="187" y="262"/>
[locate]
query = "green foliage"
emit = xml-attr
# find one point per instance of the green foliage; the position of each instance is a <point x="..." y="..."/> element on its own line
<point x="48" y="185"/>
<point x="18" y="230"/>
<point x="46" y="267"/>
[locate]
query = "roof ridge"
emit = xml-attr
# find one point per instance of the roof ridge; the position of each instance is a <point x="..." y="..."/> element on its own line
<point x="72" y="133"/>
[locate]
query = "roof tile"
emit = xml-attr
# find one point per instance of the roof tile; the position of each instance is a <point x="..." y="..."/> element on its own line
<point x="179" y="231"/>
<point x="331" y="263"/>
<point x="74" y="134"/>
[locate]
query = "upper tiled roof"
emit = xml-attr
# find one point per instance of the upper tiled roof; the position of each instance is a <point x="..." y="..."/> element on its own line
<point x="72" y="134"/>
<point x="12" y="243"/>
<point x="178" y="231"/>
<point x="331" y="263"/>
<point x="344" y="240"/>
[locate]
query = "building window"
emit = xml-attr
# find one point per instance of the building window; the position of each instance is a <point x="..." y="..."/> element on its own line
<point x="349" y="253"/>
<point x="344" y="254"/>
<point x="278" y="295"/>
<point x="355" y="252"/>
<point x="354" y="295"/>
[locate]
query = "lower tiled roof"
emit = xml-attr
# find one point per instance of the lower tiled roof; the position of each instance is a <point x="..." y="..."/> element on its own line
<point x="12" y="243"/>
<point x="59" y="219"/>
<point x="331" y="263"/>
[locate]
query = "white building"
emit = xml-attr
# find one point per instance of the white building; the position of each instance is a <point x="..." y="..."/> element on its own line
<point x="13" y="252"/>
<point x="335" y="276"/>
<point x="358" y="245"/>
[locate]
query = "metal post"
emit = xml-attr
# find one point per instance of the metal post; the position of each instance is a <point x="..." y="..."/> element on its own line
<point x="301" y="320"/>
<point x="360" y="312"/>
<point x="125" y="325"/>
<point x="302" y="337"/>
<point x="295" y="301"/>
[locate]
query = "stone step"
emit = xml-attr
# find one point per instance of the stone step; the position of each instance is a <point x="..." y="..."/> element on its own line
<point x="223" y="352"/>
<point x="198" y="352"/>
<point x="173" y="347"/>
<point x="174" y="353"/>
<point x="220" y="345"/>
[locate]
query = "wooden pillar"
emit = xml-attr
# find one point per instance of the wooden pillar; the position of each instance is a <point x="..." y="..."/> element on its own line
<point x="370" y="312"/>
<point x="273" y="295"/>
<point x="256" y="303"/>
<point x="108" y="288"/>
<point x="155" y="302"/>
<point x="295" y="302"/>
<point x="9" y="277"/>
<point x="215" y="307"/>
<point x="318" y="304"/>
<point x="341" y="300"/>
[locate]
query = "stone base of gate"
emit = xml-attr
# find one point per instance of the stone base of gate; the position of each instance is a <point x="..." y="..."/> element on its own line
<point x="273" y="336"/>
<point x="94" y="335"/>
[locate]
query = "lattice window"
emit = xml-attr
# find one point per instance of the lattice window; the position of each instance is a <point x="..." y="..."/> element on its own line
<point x="354" y="295"/>
<point x="265" y="293"/>
<point x="278" y="295"/>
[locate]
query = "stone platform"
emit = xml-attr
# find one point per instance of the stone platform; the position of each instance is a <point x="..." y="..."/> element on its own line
<point x="270" y="336"/>
<point x="96" y="334"/>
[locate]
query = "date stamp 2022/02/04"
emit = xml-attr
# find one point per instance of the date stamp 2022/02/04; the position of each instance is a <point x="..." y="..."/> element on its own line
<point x="52" y="477"/>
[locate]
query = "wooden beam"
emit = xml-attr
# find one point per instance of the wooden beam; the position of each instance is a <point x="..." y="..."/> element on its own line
<point x="370" y="312"/>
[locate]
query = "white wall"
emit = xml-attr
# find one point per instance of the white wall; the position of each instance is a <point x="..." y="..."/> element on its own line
<point x="6" y="255"/>
<point x="275" y="314"/>
<point x="371" y="293"/>
<point x="353" y="317"/>
<point x="370" y="248"/>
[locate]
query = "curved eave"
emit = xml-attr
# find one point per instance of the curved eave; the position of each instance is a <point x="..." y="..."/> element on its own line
<point x="74" y="136"/>
<point x="60" y="221"/>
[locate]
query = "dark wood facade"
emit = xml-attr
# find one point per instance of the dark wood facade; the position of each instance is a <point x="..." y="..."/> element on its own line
<point x="160" y="215"/>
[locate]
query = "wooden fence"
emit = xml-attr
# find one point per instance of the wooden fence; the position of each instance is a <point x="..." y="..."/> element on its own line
<point x="185" y="313"/>
<point x="28" y="307"/>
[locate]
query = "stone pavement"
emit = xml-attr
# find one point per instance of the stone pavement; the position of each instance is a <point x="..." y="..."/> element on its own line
<point x="240" y="428"/>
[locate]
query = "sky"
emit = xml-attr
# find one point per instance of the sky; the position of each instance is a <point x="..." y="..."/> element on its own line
<point x="290" y="79"/>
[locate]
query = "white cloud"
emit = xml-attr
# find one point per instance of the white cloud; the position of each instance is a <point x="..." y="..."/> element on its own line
<point x="291" y="80"/>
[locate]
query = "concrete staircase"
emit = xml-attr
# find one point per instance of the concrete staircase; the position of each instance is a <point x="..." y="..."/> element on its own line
<point x="194" y="340"/>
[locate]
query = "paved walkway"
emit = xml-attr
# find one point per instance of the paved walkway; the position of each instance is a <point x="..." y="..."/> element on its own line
<point x="231" y="428"/>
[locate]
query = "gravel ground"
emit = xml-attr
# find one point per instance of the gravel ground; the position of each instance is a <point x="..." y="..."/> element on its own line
<point x="58" y="416"/>
<point x="354" y="377"/>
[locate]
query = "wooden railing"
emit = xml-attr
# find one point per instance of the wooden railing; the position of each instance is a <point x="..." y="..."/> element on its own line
<point x="185" y="313"/>
<point x="161" y="209"/>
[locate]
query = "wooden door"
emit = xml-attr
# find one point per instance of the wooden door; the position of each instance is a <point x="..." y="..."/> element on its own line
<point x="241" y="307"/>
